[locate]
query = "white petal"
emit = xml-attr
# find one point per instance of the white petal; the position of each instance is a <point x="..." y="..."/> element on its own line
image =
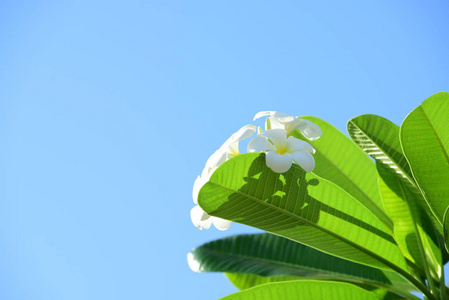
<point x="277" y="136"/>
<point x="283" y="117"/>
<point x="231" y="146"/>
<point x="278" y="115"/>
<point x="233" y="149"/>
<point x="273" y="123"/>
<point x="221" y="155"/>
<point x="200" y="218"/>
<point x="243" y="133"/>
<point x="206" y="223"/>
<point x="260" y="144"/>
<point x="294" y="144"/>
<point x="207" y="173"/>
<point x="194" y="264"/>
<point x="216" y="159"/>
<point x="197" y="185"/>
<point x="221" y="224"/>
<point x="262" y="114"/>
<point x="278" y="163"/>
<point x="310" y="130"/>
<point x="293" y="125"/>
<point x="305" y="160"/>
<point x="267" y="124"/>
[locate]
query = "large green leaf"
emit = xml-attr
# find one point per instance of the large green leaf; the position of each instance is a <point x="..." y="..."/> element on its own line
<point x="379" y="138"/>
<point x="304" y="289"/>
<point x="270" y="255"/>
<point x="302" y="207"/>
<point x="411" y="223"/>
<point x="387" y="295"/>
<point x="425" y="141"/>
<point x="341" y="161"/>
<point x="402" y="200"/>
<point x="246" y="281"/>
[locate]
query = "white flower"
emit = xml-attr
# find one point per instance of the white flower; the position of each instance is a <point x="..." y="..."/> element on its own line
<point x="282" y="150"/>
<point x="202" y="220"/>
<point x="278" y="120"/>
<point x="198" y="216"/>
<point x="229" y="149"/>
<point x="194" y="264"/>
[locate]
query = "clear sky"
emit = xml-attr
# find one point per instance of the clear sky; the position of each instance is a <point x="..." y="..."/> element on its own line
<point x="109" y="110"/>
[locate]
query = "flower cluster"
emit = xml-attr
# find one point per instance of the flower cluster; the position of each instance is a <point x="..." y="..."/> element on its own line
<point x="229" y="149"/>
<point x="276" y="141"/>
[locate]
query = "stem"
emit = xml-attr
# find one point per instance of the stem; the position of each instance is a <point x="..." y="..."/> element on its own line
<point x="413" y="297"/>
<point x="442" y="287"/>
<point x="442" y="283"/>
<point x="412" y="212"/>
<point x="418" y="284"/>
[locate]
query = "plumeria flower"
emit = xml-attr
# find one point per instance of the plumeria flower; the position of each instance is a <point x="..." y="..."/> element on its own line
<point x="194" y="263"/>
<point x="198" y="216"/>
<point x="278" y="120"/>
<point x="281" y="151"/>
<point x="229" y="149"/>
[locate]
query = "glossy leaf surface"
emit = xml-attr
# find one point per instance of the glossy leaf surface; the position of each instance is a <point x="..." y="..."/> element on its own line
<point x="341" y="161"/>
<point x="411" y="223"/>
<point x="317" y="290"/>
<point x="269" y="256"/>
<point x="402" y="199"/>
<point x="425" y="141"/>
<point x="299" y="206"/>
<point x="246" y="281"/>
<point x="379" y="138"/>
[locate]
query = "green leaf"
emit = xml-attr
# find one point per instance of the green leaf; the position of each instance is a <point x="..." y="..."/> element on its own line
<point x="445" y="229"/>
<point x="246" y="281"/>
<point x="411" y="223"/>
<point x="273" y="256"/>
<point x="385" y="294"/>
<point x="425" y="141"/>
<point x="379" y="138"/>
<point x="341" y="161"/>
<point x="302" y="207"/>
<point x="402" y="199"/>
<point x="304" y="289"/>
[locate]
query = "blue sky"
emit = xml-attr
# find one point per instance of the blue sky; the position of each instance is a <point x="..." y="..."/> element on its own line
<point x="109" y="110"/>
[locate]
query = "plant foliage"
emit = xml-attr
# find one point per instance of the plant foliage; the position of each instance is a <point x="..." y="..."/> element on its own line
<point x="354" y="228"/>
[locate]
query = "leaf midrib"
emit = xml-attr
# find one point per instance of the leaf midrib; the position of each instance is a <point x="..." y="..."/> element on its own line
<point x="386" y="219"/>
<point x="412" y="181"/>
<point x="319" y="273"/>
<point x="354" y="185"/>
<point x="276" y="262"/>
<point x="431" y="208"/>
<point x="436" y="134"/>
<point x="298" y="218"/>
<point x="417" y="234"/>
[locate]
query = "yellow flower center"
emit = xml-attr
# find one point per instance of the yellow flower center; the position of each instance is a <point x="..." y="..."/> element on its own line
<point x="281" y="150"/>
